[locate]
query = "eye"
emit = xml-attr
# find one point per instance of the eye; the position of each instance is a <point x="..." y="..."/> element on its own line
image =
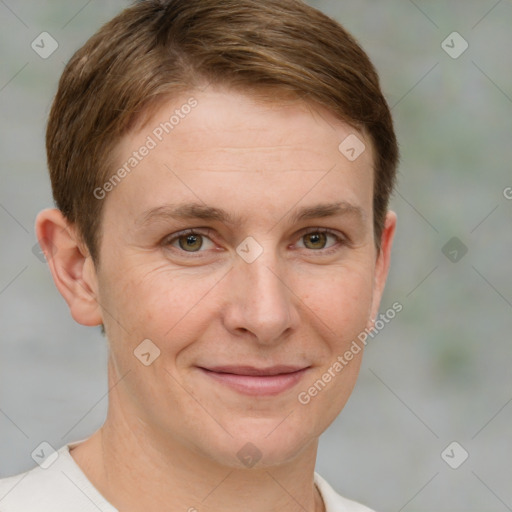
<point x="192" y="241"/>
<point x="188" y="241"/>
<point x="316" y="239"/>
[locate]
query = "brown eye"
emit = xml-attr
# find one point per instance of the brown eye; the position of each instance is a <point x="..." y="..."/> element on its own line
<point x="192" y="242"/>
<point x="189" y="241"/>
<point x="316" y="240"/>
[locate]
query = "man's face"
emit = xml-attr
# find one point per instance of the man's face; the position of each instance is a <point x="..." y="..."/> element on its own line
<point x="257" y="290"/>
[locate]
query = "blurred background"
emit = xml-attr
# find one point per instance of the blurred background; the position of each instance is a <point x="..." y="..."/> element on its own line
<point x="439" y="373"/>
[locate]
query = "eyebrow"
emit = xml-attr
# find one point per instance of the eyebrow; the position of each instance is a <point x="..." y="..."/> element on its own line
<point x="192" y="211"/>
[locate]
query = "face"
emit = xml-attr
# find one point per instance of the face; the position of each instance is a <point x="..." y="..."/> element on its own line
<point x="240" y="245"/>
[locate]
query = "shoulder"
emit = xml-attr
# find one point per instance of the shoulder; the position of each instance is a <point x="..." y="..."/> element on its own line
<point x="59" y="487"/>
<point x="29" y="491"/>
<point x="336" y="503"/>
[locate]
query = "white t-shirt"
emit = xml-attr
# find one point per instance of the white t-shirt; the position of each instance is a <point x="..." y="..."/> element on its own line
<point x="63" y="487"/>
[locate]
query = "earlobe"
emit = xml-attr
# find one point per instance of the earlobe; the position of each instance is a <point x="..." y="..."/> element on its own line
<point x="71" y="266"/>
<point x="383" y="261"/>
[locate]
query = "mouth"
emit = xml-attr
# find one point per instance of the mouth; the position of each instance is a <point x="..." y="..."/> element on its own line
<point x="253" y="381"/>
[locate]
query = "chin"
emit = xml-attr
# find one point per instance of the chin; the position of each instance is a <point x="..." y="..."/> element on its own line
<point x="261" y="443"/>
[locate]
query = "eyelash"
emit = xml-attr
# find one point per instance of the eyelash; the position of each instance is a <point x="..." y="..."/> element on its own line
<point x="340" y="240"/>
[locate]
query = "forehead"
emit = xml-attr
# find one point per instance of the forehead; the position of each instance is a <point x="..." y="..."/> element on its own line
<point x="215" y="140"/>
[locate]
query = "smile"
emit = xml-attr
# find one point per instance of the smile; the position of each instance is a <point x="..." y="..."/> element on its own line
<point x="257" y="382"/>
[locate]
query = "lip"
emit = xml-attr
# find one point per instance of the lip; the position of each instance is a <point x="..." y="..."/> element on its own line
<point x="253" y="381"/>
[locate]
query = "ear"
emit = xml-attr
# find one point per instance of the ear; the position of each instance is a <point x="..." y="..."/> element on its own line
<point x="71" y="266"/>
<point x="383" y="261"/>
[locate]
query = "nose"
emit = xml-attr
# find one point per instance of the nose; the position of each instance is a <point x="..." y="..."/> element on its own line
<point x="261" y="299"/>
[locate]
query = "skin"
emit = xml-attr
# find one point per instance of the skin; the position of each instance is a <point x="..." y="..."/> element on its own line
<point x="172" y="434"/>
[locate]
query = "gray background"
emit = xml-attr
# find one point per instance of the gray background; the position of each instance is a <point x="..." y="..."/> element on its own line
<point x="439" y="372"/>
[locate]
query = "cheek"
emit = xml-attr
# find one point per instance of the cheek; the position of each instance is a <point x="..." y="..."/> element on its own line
<point x="342" y="301"/>
<point x="161" y="304"/>
<point x="341" y="312"/>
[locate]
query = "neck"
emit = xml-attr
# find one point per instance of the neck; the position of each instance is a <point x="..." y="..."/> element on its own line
<point x="134" y="469"/>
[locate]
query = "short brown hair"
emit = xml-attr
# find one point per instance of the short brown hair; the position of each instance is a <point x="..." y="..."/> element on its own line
<point x="159" y="48"/>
